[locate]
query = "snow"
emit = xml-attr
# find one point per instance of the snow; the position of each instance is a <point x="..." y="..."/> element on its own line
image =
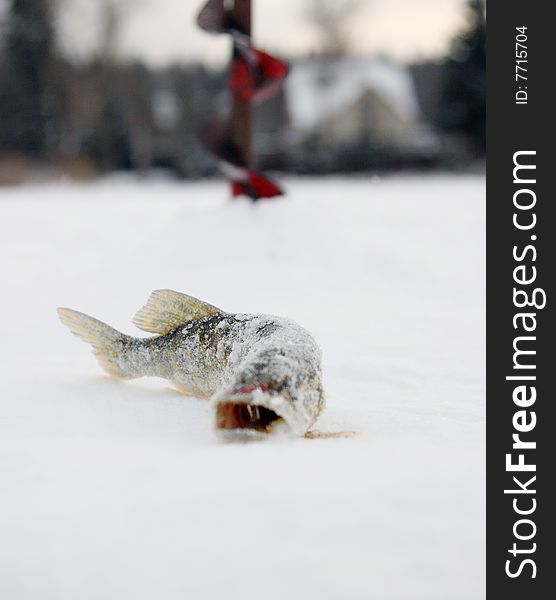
<point x="317" y="91"/>
<point x="116" y="490"/>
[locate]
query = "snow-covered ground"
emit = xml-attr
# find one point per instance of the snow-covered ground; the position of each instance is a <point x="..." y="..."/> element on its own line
<point x="122" y="491"/>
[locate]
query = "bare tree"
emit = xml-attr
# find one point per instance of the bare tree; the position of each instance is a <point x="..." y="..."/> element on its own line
<point x="332" y="19"/>
<point x="112" y="13"/>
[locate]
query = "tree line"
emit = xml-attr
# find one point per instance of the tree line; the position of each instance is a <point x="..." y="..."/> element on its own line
<point x="125" y="115"/>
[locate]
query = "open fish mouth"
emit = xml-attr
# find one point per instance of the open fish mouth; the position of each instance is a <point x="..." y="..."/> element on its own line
<point x="240" y="415"/>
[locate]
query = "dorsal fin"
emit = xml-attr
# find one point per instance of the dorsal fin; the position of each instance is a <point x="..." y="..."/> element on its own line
<point x="167" y="310"/>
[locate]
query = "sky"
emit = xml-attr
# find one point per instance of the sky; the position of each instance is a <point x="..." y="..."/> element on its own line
<point x="164" y="31"/>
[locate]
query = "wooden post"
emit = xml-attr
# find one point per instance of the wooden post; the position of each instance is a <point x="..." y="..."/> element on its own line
<point x="241" y="121"/>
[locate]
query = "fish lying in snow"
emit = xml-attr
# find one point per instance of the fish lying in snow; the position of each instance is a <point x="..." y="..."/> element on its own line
<point x="261" y="373"/>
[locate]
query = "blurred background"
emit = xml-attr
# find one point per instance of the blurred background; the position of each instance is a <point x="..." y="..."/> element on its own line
<point x="89" y="87"/>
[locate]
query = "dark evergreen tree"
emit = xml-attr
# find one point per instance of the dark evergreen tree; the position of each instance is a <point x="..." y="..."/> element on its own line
<point x="463" y="97"/>
<point x="29" y="102"/>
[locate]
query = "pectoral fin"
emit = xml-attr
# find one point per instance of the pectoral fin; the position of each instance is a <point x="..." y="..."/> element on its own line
<point x="167" y="310"/>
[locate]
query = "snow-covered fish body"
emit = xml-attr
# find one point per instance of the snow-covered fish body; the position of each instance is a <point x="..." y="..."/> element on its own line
<point x="260" y="372"/>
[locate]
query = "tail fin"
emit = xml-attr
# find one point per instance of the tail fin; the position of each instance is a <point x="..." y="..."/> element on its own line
<point x="106" y="341"/>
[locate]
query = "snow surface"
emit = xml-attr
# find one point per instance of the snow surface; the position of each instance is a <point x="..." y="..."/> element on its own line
<point x="121" y="491"/>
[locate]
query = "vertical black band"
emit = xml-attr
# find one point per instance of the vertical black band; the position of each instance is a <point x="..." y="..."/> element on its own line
<point x="521" y="255"/>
